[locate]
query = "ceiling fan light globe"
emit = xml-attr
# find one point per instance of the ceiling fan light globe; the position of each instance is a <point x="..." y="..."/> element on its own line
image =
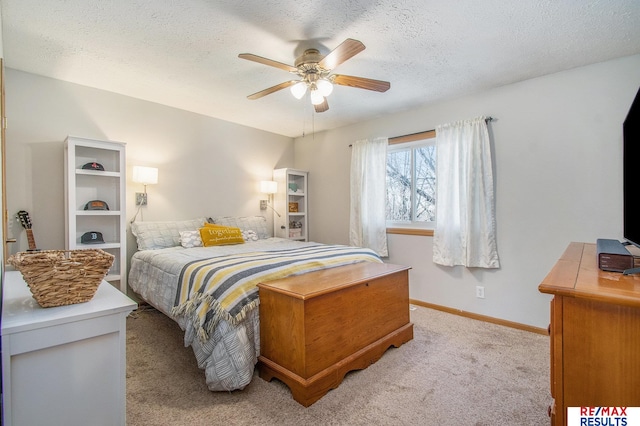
<point x="299" y="89"/>
<point x="325" y="87"/>
<point x="316" y="97"/>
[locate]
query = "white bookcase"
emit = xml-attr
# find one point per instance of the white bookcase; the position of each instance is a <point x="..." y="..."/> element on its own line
<point x="108" y="185"/>
<point x="291" y="203"/>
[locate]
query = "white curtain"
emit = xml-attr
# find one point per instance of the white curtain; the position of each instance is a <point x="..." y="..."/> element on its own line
<point x="367" y="227"/>
<point x="465" y="217"/>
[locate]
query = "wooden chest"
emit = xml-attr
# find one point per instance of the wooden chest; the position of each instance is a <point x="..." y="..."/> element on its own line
<point x="316" y="327"/>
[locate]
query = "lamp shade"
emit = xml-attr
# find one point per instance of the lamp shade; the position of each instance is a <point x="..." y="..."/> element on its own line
<point x="325" y="87"/>
<point x="298" y="90"/>
<point x="268" y="187"/>
<point x="145" y="175"/>
<point x="316" y="97"/>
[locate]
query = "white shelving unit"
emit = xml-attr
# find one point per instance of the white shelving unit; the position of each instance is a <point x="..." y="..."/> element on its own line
<point x="291" y="203"/>
<point x="83" y="186"/>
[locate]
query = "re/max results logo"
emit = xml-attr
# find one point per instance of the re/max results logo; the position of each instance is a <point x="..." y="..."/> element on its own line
<point x="603" y="416"/>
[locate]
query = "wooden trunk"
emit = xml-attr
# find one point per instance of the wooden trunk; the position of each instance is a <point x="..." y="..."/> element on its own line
<point x="316" y="327"/>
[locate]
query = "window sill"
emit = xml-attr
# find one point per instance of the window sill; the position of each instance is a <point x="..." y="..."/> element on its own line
<point x="410" y="231"/>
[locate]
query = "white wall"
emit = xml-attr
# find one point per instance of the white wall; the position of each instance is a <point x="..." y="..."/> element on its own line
<point x="206" y="166"/>
<point x="558" y="166"/>
<point x="557" y="144"/>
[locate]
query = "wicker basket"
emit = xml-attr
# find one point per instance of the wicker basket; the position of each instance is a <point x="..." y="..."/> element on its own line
<point x="62" y="277"/>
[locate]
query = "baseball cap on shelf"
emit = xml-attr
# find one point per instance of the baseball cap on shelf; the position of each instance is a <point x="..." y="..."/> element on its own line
<point x="96" y="205"/>
<point x="92" y="237"/>
<point x="93" y="166"/>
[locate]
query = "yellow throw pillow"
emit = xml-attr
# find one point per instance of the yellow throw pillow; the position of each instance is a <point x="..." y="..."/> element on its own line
<point x="220" y="235"/>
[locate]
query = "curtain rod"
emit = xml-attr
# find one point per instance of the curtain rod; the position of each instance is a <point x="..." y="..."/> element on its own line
<point x="432" y="130"/>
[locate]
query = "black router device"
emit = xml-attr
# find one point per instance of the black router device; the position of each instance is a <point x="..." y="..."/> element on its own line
<point x="613" y="256"/>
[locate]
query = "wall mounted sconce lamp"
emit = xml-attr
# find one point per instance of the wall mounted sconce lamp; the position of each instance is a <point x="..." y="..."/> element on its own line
<point x="145" y="176"/>
<point x="269" y="187"/>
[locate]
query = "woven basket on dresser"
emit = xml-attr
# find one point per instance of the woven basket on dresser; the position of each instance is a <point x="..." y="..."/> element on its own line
<point x="62" y="277"/>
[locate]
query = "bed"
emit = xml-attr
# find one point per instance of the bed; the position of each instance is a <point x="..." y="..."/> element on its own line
<point x="211" y="292"/>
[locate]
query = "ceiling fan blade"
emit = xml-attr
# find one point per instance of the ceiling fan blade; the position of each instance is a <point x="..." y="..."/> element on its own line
<point x="361" y="82"/>
<point x="323" y="106"/>
<point x="272" y="89"/>
<point x="270" y="62"/>
<point x="347" y="49"/>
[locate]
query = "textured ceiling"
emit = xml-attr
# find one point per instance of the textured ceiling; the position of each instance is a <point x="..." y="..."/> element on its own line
<point x="185" y="53"/>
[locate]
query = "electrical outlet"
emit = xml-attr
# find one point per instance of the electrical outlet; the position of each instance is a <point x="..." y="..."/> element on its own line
<point x="141" y="199"/>
<point x="479" y="292"/>
<point x="263" y="204"/>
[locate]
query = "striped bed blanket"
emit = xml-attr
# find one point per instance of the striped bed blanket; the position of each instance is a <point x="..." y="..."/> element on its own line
<point x="225" y="287"/>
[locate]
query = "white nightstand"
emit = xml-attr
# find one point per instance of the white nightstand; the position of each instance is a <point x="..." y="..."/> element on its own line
<point x="64" y="365"/>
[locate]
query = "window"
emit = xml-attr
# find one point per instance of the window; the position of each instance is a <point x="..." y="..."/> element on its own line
<point x="411" y="181"/>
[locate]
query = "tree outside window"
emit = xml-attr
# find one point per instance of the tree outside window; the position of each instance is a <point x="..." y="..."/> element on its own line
<point x="411" y="184"/>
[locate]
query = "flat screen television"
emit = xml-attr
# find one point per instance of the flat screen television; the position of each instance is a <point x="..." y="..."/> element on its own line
<point x="631" y="173"/>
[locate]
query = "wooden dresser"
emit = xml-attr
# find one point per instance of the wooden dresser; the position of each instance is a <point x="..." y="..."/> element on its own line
<point x="316" y="327"/>
<point x="595" y="334"/>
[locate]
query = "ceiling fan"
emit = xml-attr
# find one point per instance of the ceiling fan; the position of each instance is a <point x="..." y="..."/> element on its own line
<point x="315" y="73"/>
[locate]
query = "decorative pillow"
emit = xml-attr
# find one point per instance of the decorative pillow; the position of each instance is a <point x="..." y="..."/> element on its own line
<point x="218" y="236"/>
<point x="258" y="224"/>
<point x="249" y="236"/>
<point x="157" y="235"/>
<point x="190" y="239"/>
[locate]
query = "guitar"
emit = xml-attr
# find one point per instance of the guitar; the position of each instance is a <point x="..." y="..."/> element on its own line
<point x="25" y="221"/>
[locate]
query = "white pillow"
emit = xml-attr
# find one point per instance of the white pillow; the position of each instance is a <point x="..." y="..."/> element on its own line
<point x="190" y="239"/>
<point x="258" y="224"/>
<point x="157" y="235"/>
<point x="249" y="236"/>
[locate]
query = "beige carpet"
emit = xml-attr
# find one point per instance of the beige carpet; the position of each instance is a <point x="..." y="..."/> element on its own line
<point x="456" y="371"/>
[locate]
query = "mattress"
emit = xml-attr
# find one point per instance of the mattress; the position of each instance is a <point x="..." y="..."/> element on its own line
<point x="230" y="351"/>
